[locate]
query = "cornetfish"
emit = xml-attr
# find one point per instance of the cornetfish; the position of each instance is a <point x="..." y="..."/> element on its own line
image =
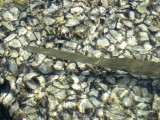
<point x="134" y="66"/>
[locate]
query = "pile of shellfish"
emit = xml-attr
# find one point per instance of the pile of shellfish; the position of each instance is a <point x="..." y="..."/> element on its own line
<point x="39" y="87"/>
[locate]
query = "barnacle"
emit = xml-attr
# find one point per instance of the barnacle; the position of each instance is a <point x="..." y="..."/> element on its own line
<point x="139" y="67"/>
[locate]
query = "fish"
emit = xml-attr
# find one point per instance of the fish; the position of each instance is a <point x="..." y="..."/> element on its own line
<point x="135" y="66"/>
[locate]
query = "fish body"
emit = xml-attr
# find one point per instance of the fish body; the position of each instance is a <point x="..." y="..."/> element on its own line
<point x="138" y="67"/>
